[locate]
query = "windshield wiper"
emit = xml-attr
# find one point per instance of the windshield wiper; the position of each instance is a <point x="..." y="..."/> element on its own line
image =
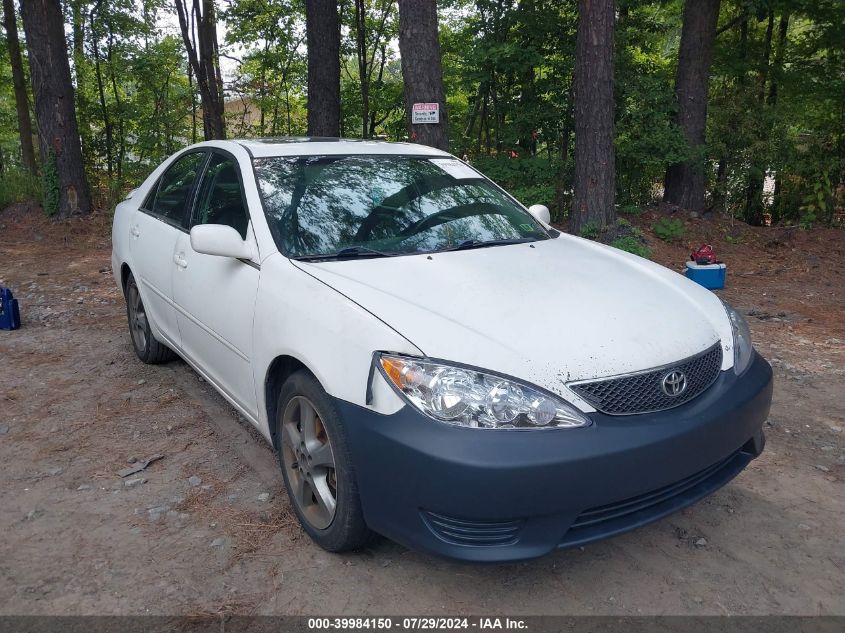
<point x="349" y="252"/>
<point x="468" y="244"/>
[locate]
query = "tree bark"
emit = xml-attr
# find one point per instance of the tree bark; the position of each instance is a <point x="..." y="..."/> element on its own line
<point x="754" y="211"/>
<point x="205" y="61"/>
<point x="101" y="91"/>
<point x="52" y="90"/>
<point x="685" y="183"/>
<point x="322" y="26"/>
<point x="595" y="155"/>
<point x="422" y="72"/>
<point x="527" y="83"/>
<point x="121" y="130"/>
<point x="783" y="31"/>
<point x="19" y="83"/>
<point x="361" y="52"/>
<point x="79" y="70"/>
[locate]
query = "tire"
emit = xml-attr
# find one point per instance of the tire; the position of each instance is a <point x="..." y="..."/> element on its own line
<point x="146" y="347"/>
<point x="316" y="466"/>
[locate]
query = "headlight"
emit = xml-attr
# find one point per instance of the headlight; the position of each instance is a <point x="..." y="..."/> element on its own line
<point x="472" y="398"/>
<point x="743" y="350"/>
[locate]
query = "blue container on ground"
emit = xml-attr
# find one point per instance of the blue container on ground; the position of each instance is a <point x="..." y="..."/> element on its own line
<point x="708" y="275"/>
<point x="10" y="316"/>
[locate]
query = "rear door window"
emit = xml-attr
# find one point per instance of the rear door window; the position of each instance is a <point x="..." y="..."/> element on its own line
<point x="173" y="195"/>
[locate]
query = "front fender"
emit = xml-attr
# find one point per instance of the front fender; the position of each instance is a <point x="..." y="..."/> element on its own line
<point x="302" y="317"/>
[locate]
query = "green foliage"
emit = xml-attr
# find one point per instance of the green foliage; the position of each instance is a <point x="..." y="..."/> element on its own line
<point x="529" y="180"/>
<point x="816" y="203"/>
<point x="668" y="229"/>
<point x="631" y="209"/>
<point x="18" y="185"/>
<point x="590" y="231"/>
<point x="270" y="82"/>
<point x="50" y="185"/>
<point x="774" y="109"/>
<point x="647" y="138"/>
<point x="631" y="244"/>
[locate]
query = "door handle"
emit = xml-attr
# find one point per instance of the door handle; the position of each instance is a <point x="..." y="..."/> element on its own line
<point x="180" y="261"/>
<point x="134" y="232"/>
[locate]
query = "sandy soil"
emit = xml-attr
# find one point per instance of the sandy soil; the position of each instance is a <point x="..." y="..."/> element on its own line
<point x="76" y="406"/>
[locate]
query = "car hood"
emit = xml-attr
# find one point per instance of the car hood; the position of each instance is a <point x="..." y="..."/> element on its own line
<point x="550" y="312"/>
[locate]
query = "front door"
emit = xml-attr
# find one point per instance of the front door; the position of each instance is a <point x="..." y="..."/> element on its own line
<point x="215" y="296"/>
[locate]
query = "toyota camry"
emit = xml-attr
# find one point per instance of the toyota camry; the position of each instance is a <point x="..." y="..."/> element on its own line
<point x="430" y="360"/>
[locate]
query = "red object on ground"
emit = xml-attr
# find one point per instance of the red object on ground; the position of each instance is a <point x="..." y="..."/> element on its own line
<point x="704" y="255"/>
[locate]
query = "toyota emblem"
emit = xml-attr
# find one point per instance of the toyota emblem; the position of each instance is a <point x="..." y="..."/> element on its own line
<point x="674" y="383"/>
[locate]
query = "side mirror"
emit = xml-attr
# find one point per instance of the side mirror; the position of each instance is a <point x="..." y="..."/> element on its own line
<point x="220" y="240"/>
<point x="541" y="213"/>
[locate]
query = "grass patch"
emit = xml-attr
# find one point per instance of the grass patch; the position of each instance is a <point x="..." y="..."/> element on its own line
<point x="590" y="231"/>
<point x="631" y="209"/>
<point x="631" y="244"/>
<point x="668" y="229"/>
<point x="18" y="186"/>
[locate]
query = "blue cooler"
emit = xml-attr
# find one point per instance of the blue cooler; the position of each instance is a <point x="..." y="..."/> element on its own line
<point x="708" y="275"/>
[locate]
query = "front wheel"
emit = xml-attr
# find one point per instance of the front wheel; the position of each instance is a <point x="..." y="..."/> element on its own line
<point x="316" y="466"/>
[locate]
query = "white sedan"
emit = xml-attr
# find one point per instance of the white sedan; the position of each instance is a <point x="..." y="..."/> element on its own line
<point x="430" y="360"/>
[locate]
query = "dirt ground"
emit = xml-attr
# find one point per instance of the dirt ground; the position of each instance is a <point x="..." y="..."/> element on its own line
<point x="76" y="406"/>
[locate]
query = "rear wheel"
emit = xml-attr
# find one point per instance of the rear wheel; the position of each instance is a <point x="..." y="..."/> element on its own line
<point x="146" y="347"/>
<point x="316" y="466"/>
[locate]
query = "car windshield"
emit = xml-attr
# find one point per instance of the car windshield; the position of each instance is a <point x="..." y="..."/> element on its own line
<point x="338" y="206"/>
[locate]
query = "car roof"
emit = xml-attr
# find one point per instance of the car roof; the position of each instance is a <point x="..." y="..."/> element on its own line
<point x="323" y="146"/>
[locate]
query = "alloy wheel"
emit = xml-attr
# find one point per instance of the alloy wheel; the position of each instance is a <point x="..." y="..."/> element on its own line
<point x="137" y="318"/>
<point x="309" y="462"/>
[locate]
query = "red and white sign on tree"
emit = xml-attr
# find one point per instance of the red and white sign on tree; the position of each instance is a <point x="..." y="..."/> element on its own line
<point x="425" y="113"/>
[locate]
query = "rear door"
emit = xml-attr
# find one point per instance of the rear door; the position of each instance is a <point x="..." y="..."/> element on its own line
<point x="215" y="296"/>
<point x="154" y="231"/>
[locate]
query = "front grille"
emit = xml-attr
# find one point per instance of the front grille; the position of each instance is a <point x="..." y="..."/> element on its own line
<point x="471" y="531"/>
<point x="643" y="392"/>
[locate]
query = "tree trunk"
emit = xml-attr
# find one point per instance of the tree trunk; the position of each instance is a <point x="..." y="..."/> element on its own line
<point x="754" y="208"/>
<point x="527" y="84"/>
<point x="101" y="91"/>
<point x="361" y="53"/>
<point x="595" y="156"/>
<point x="783" y="31"/>
<point x="24" y="120"/>
<point x="422" y="72"/>
<point x="322" y="27"/>
<point x="67" y="194"/>
<point x="685" y="183"/>
<point x="79" y="69"/>
<point x="193" y="103"/>
<point x="121" y="130"/>
<point x="205" y="61"/>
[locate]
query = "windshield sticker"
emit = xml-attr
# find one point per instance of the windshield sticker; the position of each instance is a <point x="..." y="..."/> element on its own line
<point x="455" y="168"/>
